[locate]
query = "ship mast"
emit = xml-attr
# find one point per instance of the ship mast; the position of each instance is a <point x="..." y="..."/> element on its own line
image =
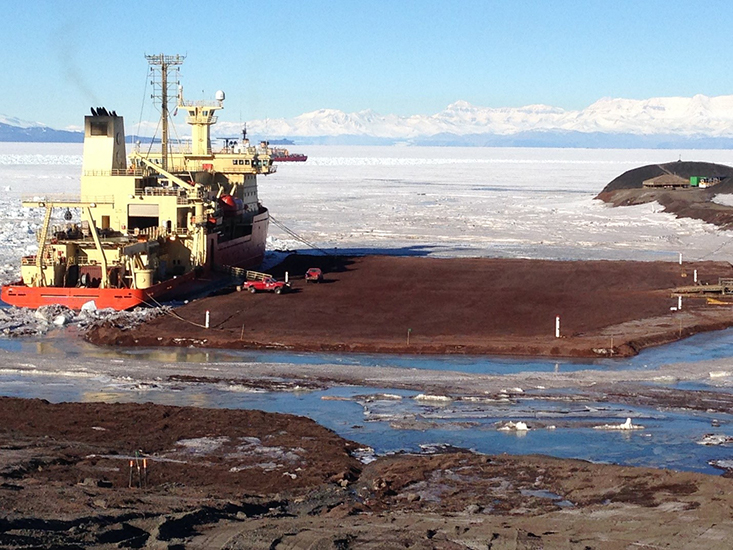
<point x="160" y="66"/>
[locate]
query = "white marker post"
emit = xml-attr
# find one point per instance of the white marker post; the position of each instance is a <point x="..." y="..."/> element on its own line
<point x="694" y="276"/>
<point x="286" y="276"/>
<point x="679" y="303"/>
<point x="557" y="327"/>
<point x="680" y="258"/>
<point x="207" y="318"/>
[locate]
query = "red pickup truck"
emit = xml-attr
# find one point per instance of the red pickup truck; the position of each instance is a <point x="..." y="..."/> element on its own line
<point x="268" y="284"/>
<point x="313" y="275"/>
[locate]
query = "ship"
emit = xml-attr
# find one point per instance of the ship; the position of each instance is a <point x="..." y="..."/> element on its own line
<point x="283" y="155"/>
<point x="151" y="225"/>
<point x="279" y="154"/>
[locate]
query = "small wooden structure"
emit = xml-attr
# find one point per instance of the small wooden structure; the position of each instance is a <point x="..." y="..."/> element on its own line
<point x="724" y="287"/>
<point x="667" y="181"/>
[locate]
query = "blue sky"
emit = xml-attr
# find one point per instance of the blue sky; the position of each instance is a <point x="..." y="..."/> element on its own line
<point x="286" y="57"/>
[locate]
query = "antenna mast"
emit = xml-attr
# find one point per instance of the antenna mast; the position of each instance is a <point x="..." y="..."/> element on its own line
<point x="160" y="66"/>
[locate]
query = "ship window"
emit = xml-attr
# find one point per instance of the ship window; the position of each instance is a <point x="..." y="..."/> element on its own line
<point x="234" y="161"/>
<point x="246" y="162"/>
<point x="98" y="128"/>
<point x="206" y="113"/>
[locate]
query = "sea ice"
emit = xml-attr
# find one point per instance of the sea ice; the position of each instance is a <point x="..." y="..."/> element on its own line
<point x="628" y="425"/>
<point x="492" y="202"/>
<point x="514" y="427"/>
<point x="715" y="439"/>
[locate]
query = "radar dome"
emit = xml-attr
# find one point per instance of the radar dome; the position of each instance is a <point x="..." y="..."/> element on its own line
<point x="220" y="95"/>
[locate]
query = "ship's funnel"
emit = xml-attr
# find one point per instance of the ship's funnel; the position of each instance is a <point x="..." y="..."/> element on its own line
<point x="104" y="143"/>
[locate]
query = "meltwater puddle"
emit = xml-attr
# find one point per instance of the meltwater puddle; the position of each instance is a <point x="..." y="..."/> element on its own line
<point x="400" y="420"/>
<point x="60" y="367"/>
<point x="67" y="344"/>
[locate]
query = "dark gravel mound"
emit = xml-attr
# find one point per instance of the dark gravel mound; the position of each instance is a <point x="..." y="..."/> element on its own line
<point x="634" y="178"/>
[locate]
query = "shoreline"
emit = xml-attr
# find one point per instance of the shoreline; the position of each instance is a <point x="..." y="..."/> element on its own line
<point x="647" y="334"/>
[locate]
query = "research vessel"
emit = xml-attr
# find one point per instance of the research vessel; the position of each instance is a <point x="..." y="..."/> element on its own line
<point x="154" y="223"/>
<point x="283" y="155"/>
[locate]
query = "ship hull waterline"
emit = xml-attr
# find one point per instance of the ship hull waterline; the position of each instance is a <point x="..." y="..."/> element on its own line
<point x="244" y="252"/>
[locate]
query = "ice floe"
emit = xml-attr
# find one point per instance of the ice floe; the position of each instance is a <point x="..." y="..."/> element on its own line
<point x="628" y="425"/>
<point x="715" y="439"/>
<point x="514" y="427"/>
<point x="24" y="321"/>
<point x="434" y="398"/>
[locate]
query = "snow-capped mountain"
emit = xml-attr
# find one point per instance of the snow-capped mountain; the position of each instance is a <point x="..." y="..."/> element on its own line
<point x="696" y="117"/>
<point x="14" y="121"/>
<point x="15" y="129"/>
<point x="670" y="122"/>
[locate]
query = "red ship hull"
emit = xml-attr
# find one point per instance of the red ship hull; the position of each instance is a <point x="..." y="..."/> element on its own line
<point x="289" y="158"/>
<point x="245" y="252"/>
<point x="20" y="295"/>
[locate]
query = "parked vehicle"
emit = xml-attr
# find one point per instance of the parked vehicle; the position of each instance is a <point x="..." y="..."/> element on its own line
<point x="268" y="284"/>
<point x="313" y="275"/>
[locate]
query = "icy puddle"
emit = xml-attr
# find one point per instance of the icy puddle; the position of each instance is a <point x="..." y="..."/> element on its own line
<point x="59" y="368"/>
<point x="395" y="420"/>
<point x="64" y="344"/>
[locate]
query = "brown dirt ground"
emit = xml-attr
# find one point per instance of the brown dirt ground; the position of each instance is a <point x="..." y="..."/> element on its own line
<point x="478" y="306"/>
<point x="272" y="481"/>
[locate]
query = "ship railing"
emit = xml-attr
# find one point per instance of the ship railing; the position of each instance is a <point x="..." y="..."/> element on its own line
<point x="153" y="233"/>
<point x="239" y="150"/>
<point x="159" y="192"/>
<point x="49" y="260"/>
<point x="183" y="196"/>
<point x="213" y="103"/>
<point x="161" y="232"/>
<point x="247" y="169"/>
<point x="80" y="261"/>
<point x="197" y="120"/>
<point x="67" y="199"/>
<point x="31" y="260"/>
<point x="251" y="169"/>
<point x="115" y="172"/>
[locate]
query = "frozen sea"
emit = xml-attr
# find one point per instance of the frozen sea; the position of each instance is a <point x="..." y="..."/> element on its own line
<point x="489" y="202"/>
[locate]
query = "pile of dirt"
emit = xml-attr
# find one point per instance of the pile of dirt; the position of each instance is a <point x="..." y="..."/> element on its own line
<point x="252" y="480"/>
<point x="427" y="305"/>
<point x="697" y="203"/>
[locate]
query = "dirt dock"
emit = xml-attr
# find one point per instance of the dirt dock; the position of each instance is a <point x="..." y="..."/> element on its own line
<point x="90" y="475"/>
<point x="425" y="305"/>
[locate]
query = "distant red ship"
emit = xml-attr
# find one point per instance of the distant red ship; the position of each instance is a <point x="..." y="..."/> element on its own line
<point x="283" y="155"/>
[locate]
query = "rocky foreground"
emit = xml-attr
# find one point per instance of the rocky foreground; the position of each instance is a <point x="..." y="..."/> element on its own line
<point x="89" y="475"/>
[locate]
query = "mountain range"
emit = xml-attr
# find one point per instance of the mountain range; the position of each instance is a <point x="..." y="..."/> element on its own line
<point x="665" y="122"/>
<point x="14" y="129"/>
